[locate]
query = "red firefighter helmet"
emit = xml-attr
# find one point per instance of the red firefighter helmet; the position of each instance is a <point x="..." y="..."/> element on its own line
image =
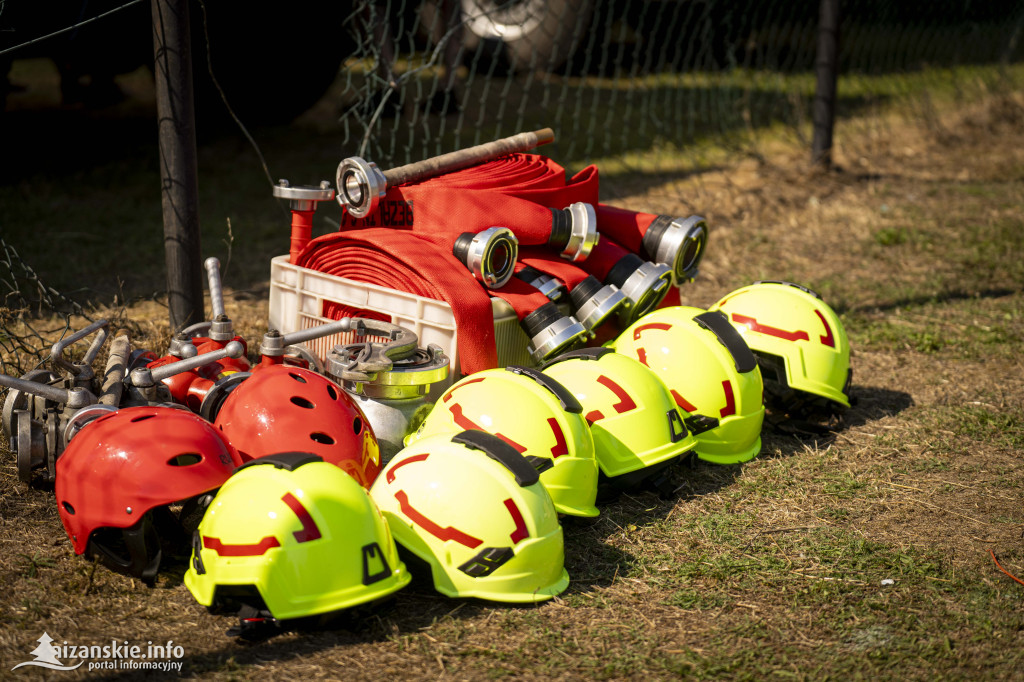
<point x="282" y="408"/>
<point x="118" y="475"/>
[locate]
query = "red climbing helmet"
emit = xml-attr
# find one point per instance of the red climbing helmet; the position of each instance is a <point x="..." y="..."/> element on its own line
<point x="282" y="408"/>
<point x="121" y="471"/>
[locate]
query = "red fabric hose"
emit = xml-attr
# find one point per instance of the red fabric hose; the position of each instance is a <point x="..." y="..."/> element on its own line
<point x="624" y="226"/>
<point x="515" y="191"/>
<point x="568" y="274"/>
<point x="605" y="254"/>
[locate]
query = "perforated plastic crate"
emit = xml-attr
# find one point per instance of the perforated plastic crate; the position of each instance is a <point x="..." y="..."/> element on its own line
<point x="301" y="298"/>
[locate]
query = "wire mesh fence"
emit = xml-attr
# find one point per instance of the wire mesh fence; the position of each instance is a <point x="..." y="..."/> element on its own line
<point x="644" y="77"/>
<point x="642" y="88"/>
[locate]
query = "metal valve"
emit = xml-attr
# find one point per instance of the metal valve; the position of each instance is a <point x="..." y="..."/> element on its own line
<point x="40" y="404"/>
<point x="302" y="200"/>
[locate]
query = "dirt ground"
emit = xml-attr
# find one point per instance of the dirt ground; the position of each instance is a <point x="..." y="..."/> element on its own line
<point x="780" y="567"/>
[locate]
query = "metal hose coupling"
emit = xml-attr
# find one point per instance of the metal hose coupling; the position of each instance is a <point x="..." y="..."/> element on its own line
<point x="395" y="401"/>
<point x="678" y="243"/>
<point x="574" y="231"/>
<point x="550" y="332"/>
<point x="361" y="186"/>
<point x="644" y="283"/>
<point x="490" y="255"/>
<point x="595" y="302"/>
<point x="542" y="282"/>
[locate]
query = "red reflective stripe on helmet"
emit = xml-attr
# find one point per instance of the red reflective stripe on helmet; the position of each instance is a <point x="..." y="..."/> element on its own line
<point x="730" y="400"/>
<point x="465" y="422"/>
<point x="437" y="531"/>
<point x="407" y="460"/>
<point x="625" y="403"/>
<point x="521" y="533"/>
<point x="561" y="447"/>
<point x="683" y="402"/>
<point x="448" y="395"/>
<point x="663" y="326"/>
<point x="754" y="325"/>
<point x="593" y="416"/>
<point x="828" y="339"/>
<point x="309" y="530"/>
<point x="223" y="549"/>
<point x="641" y="355"/>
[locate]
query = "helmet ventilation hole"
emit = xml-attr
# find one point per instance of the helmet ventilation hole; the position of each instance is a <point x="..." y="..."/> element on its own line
<point x="357" y="425"/>
<point x="301" y="379"/>
<point x="68" y="507"/>
<point x="321" y="438"/>
<point x="331" y="392"/>
<point x="185" y="459"/>
<point x="142" y="417"/>
<point x="302" y="402"/>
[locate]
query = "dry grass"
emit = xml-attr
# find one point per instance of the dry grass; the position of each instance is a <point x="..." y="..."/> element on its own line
<point x="769" y="570"/>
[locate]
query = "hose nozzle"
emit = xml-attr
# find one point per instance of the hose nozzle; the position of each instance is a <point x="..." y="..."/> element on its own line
<point x="490" y="255"/>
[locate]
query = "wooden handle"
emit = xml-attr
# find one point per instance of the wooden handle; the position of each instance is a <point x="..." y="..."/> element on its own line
<point x="463" y="158"/>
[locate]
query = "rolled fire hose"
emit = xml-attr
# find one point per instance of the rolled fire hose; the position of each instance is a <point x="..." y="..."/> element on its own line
<point x="406" y="262"/>
<point x="526" y="193"/>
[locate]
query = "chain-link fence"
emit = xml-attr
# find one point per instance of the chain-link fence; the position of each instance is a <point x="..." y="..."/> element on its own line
<point x="639" y="87"/>
<point x="647" y="78"/>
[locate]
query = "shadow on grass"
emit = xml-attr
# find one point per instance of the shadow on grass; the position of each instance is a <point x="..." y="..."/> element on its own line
<point x="943" y="297"/>
<point x="783" y="438"/>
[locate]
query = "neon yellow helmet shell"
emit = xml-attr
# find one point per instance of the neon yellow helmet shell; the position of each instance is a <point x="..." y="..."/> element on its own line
<point x="299" y="530"/>
<point x="800" y="342"/>
<point x="709" y="370"/>
<point x="632" y="417"/>
<point x="474" y="510"/>
<point x="534" y="414"/>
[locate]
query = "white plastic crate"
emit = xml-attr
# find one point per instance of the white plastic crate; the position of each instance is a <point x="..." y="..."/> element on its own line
<point x="299" y="295"/>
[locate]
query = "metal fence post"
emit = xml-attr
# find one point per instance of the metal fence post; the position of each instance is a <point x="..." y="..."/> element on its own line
<point x="827" y="67"/>
<point x="178" y="174"/>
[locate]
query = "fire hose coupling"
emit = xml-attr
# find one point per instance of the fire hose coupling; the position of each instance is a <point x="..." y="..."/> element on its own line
<point x="409" y="377"/>
<point x="542" y="282"/>
<point x="490" y="255"/>
<point x="551" y="332"/>
<point x="361" y="185"/>
<point x="595" y="302"/>
<point x="574" y="230"/>
<point x="678" y="243"/>
<point x="644" y="283"/>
